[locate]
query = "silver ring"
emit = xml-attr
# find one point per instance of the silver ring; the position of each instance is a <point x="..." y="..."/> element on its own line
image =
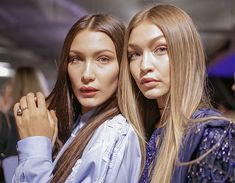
<point x="20" y="110"/>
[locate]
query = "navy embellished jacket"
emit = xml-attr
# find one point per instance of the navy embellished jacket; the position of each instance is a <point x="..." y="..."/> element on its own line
<point x="217" y="167"/>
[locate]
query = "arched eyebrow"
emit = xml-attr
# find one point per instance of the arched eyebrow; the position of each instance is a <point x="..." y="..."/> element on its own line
<point x="104" y="50"/>
<point x="154" y="40"/>
<point x="96" y="53"/>
<point x="133" y="46"/>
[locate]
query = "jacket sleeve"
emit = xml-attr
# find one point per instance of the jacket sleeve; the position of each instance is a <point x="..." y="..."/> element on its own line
<point x="35" y="162"/>
<point x="219" y="164"/>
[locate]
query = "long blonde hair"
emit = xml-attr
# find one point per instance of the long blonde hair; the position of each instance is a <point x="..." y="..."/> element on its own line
<point x="187" y="80"/>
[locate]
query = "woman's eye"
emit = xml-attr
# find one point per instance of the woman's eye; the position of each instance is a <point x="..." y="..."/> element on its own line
<point x="103" y="60"/>
<point x="132" y="56"/>
<point x="75" y="59"/>
<point x="161" y="50"/>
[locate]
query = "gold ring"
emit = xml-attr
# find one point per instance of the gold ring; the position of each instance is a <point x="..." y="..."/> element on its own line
<point x="20" y="110"/>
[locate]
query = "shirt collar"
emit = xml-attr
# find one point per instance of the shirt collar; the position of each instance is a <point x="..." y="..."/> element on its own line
<point x="82" y="119"/>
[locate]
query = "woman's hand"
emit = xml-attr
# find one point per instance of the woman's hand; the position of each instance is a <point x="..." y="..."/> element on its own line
<point x="35" y="120"/>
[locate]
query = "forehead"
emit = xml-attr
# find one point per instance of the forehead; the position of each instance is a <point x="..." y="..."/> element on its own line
<point x="143" y="32"/>
<point x="89" y="37"/>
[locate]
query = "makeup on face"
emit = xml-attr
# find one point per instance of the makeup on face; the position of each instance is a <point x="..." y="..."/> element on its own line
<point x="149" y="61"/>
<point x="93" y="68"/>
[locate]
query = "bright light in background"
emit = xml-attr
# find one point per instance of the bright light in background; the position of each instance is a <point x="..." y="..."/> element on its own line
<point x="5" y="70"/>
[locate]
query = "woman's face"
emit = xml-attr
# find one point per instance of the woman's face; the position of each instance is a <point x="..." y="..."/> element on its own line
<point x="149" y="61"/>
<point x="93" y="68"/>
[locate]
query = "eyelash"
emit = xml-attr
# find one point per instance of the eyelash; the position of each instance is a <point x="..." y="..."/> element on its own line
<point x="132" y="55"/>
<point x="160" y="50"/>
<point x="101" y="59"/>
<point x="74" y="58"/>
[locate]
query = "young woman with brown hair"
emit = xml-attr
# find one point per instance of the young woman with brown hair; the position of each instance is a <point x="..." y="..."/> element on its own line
<point x="103" y="145"/>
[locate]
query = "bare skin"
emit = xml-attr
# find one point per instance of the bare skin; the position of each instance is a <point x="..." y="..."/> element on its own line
<point x="36" y="120"/>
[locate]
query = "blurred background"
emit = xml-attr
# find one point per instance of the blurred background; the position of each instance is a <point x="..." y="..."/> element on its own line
<point x="32" y="32"/>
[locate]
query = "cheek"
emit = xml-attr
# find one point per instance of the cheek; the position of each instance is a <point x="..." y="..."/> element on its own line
<point x="134" y="70"/>
<point x="164" y="69"/>
<point x="108" y="77"/>
<point x="168" y="73"/>
<point x="73" y="76"/>
<point x="167" y="76"/>
<point x="112" y="78"/>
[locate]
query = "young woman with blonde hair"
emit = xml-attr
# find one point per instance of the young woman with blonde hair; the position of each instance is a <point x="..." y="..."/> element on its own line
<point x="100" y="144"/>
<point x="162" y="85"/>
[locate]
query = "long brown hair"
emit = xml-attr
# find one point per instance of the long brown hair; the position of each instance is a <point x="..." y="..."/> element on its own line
<point x="186" y="94"/>
<point x="64" y="101"/>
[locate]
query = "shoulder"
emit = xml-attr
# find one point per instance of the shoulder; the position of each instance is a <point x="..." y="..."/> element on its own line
<point x="118" y="124"/>
<point x="114" y="131"/>
<point x="214" y="121"/>
<point x="114" y="134"/>
<point x="205" y="112"/>
<point x="218" y="144"/>
<point x="216" y="140"/>
<point x="212" y="130"/>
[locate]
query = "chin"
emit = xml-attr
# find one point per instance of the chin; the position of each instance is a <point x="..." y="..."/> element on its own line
<point x="150" y="96"/>
<point x="89" y="103"/>
<point x="153" y="95"/>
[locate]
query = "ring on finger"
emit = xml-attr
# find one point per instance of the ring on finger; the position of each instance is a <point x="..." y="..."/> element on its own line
<point x="20" y="110"/>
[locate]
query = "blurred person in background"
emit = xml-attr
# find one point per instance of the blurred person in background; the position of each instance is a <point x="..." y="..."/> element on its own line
<point x="6" y="96"/>
<point x="5" y="105"/>
<point x="25" y="80"/>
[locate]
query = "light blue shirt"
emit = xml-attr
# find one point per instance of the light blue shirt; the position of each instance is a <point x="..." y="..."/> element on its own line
<point x="112" y="156"/>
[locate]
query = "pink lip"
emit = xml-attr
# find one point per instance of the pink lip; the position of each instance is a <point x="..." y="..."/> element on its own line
<point x="88" y="91"/>
<point x="148" y="80"/>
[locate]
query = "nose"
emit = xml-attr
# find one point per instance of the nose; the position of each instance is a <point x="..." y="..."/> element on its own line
<point x="146" y="63"/>
<point x="88" y="73"/>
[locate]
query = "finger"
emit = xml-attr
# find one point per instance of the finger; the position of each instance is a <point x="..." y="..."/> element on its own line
<point x="41" y="101"/>
<point x="17" y="118"/>
<point x="23" y="105"/>
<point x="15" y="108"/>
<point x="31" y="102"/>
